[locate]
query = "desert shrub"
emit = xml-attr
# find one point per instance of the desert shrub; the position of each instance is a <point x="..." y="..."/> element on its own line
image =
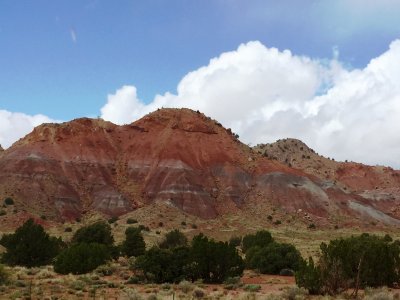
<point x="312" y="226"/>
<point x="30" y="246"/>
<point x="45" y="274"/>
<point x="232" y="283"/>
<point x="152" y="297"/>
<point x="294" y="293"/>
<point x="4" y="275"/>
<point x="198" y="293"/>
<point x="68" y="229"/>
<point x="105" y="270"/>
<point x="134" y="280"/>
<point x="134" y="244"/>
<point x="131" y="294"/>
<point x="186" y="286"/>
<point x="131" y="221"/>
<point x="8" y="201"/>
<point x="272" y="258"/>
<point x="261" y="239"/>
<point x="174" y="239"/>
<point x="252" y="287"/>
<point x="99" y="232"/>
<point x="112" y="220"/>
<point x="144" y="228"/>
<point x="81" y="258"/>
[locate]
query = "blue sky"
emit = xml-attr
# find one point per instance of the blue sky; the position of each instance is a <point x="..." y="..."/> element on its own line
<point x="153" y="44"/>
<point x="65" y="59"/>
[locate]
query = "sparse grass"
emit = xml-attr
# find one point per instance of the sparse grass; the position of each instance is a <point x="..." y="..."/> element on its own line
<point x="105" y="270"/>
<point x="294" y="293"/>
<point x="252" y="287"/>
<point x="130" y="294"/>
<point x="378" y="294"/>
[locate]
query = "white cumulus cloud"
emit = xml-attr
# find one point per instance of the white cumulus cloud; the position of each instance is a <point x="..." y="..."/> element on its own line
<point x="16" y="125"/>
<point x="265" y="94"/>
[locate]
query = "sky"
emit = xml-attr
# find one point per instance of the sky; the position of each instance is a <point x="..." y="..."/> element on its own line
<point x="326" y="72"/>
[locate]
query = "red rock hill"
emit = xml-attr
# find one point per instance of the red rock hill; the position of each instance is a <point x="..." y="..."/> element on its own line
<point x="177" y="156"/>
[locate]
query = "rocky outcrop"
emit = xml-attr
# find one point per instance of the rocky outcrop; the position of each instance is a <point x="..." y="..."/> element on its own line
<point x="379" y="186"/>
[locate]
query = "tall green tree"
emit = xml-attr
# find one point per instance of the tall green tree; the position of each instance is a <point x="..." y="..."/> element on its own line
<point x="134" y="244"/>
<point x="30" y="246"/>
<point x="214" y="261"/>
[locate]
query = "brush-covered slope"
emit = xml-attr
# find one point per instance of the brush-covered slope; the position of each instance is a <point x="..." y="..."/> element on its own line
<point x="177" y="156"/>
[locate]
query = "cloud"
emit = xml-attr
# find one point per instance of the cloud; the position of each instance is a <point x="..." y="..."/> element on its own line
<point x="265" y="94"/>
<point x="73" y="35"/>
<point x="123" y="107"/>
<point x="16" y="125"/>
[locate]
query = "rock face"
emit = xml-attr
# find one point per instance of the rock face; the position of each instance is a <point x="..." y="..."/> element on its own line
<point x="176" y="156"/>
<point x="378" y="185"/>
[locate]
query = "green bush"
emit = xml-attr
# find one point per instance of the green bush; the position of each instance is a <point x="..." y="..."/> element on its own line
<point x="174" y="239"/>
<point x="312" y="226"/>
<point x="81" y="258"/>
<point x="134" y="244"/>
<point x="99" y="232"/>
<point x="272" y="258"/>
<point x="309" y="277"/>
<point x="214" y="261"/>
<point x="8" y="201"/>
<point x="355" y="262"/>
<point x="30" y="246"/>
<point x="163" y="265"/>
<point x="205" y="259"/>
<point x="261" y="239"/>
